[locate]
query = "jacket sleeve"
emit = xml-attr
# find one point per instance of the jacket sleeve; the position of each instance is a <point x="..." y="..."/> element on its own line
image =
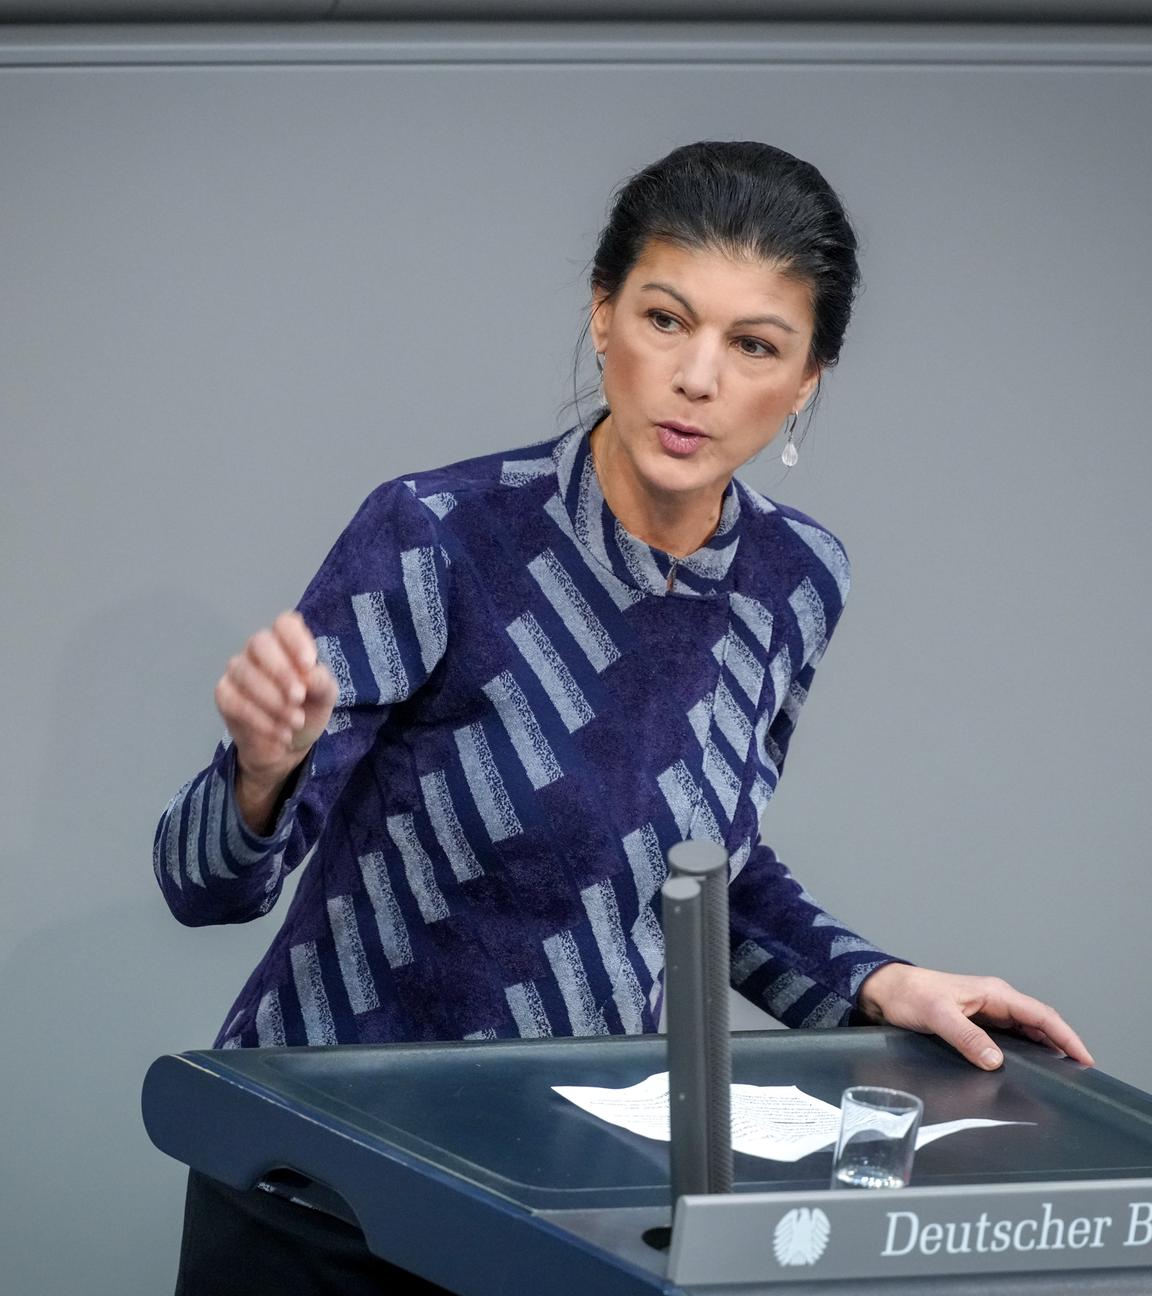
<point x="378" y="608"/>
<point x="789" y="957"/>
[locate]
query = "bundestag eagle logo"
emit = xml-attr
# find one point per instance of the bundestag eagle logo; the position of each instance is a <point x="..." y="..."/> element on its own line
<point x="801" y="1236"/>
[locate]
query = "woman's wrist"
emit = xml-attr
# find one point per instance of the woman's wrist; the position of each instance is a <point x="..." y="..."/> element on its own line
<point x="259" y="800"/>
<point x="878" y="987"/>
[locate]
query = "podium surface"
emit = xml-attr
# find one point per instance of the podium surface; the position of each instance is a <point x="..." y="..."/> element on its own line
<point x="460" y="1163"/>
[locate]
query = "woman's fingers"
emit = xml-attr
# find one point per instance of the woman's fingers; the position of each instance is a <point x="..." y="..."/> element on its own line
<point x="268" y="652"/>
<point x="245" y="717"/>
<point x="294" y="635"/>
<point x="323" y="691"/>
<point x="1009" y="1008"/>
<point x="321" y="698"/>
<point x="958" y="1007"/>
<point x="276" y="696"/>
<point x="263" y="691"/>
<point x="1038" y="1037"/>
<point x="968" y="1039"/>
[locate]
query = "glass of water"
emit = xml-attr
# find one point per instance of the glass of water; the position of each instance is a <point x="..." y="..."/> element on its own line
<point x="877" y="1138"/>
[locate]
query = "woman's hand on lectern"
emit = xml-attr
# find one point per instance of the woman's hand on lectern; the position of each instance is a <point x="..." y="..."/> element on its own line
<point x="276" y="698"/>
<point x="956" y="1007"/>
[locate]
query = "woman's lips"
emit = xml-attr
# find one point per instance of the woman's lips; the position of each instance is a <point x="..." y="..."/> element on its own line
<point x="681" y="444"/>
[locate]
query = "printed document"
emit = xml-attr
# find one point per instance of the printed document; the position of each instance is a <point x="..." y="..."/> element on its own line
<point x="779" y="1122"/>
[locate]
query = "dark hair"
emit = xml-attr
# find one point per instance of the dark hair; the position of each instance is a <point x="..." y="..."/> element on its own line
<point x="742" y="198"/>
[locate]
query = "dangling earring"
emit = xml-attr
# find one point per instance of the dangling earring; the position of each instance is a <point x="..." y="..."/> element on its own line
<point x="600" y="367"/>
<point x="788" y="454"/>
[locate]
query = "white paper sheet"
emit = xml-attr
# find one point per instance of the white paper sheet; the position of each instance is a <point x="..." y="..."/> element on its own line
<point x="778" y="1122"/>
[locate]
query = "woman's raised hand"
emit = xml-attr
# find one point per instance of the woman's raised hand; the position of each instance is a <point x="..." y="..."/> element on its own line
<point x="276" y="699"/>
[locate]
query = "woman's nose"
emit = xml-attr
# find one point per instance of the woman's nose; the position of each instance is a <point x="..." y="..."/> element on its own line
<point x="698" y="376"/>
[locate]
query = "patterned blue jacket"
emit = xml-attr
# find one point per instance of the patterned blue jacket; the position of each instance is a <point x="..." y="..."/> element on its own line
<point x="534" y="706"/>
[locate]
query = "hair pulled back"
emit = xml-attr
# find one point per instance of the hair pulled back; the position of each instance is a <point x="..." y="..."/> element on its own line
<point x="745" y="199"/>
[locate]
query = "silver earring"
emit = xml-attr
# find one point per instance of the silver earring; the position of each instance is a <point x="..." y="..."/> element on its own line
<point x="788" y="454"/>
<point x="600" y="367"/>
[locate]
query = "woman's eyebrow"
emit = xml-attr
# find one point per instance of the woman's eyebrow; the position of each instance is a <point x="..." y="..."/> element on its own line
<point x="740" y="323"/>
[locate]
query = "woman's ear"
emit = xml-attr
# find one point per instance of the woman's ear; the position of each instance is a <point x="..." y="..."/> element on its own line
<point x="809" y="384"/>
<point x="600" y="321"/>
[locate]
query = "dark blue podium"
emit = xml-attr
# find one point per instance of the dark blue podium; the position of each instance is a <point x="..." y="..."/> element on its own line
<point x="461" y="1165"/>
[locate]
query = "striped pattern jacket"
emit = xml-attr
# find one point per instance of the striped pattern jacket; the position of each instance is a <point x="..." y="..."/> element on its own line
<point x="534" y="706"/>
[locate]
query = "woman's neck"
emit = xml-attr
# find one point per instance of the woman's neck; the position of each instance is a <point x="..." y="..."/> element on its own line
<point x="676" y="523"/>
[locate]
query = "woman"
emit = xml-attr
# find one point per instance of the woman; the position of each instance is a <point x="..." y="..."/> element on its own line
<point x="517" y="680"/>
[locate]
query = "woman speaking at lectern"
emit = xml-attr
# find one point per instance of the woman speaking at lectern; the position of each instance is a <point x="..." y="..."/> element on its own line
<point x="517" y="680"/>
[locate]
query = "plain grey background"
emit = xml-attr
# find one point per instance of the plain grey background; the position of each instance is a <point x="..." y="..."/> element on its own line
<point x="248" y="277"/>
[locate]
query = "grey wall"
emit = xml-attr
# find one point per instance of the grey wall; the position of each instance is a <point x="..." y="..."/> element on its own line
<point x="242" y="289"/>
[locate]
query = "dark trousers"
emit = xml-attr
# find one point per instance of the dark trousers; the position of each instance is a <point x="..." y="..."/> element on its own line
<point x="256" y="1243"/>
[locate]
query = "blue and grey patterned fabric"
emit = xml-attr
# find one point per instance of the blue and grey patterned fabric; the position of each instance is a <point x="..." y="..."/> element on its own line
<point x="534" y="706"/>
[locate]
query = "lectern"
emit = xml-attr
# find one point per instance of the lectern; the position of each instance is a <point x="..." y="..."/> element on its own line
<point x="460" y="1164"/>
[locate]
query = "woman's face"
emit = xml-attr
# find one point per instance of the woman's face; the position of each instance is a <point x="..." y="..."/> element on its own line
<point x="699" y="339"/>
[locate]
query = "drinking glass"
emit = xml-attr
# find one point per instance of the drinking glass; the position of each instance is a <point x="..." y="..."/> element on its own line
<point x="877" y="1138"/>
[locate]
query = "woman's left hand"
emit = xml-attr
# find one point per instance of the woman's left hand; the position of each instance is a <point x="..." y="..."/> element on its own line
<point x="953" y="1007"/>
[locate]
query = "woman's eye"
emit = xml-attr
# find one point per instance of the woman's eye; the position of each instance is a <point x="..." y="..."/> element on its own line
<point x="765" y="349"/>
<point x="657" y="315"/>
<point x="665" y="323"/>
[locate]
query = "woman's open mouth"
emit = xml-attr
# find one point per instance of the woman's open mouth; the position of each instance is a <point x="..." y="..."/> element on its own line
<point x="678" y="440"/>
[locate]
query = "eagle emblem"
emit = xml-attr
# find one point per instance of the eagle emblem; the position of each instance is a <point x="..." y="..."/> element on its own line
<point x="801" y="1236"/>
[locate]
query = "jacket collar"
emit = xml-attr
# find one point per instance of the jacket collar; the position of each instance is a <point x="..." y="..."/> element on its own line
<point x="705" y="572"/>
